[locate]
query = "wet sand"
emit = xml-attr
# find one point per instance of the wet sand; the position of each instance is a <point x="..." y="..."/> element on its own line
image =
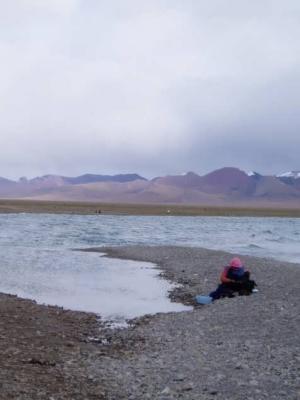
<point x="241" y="348"/>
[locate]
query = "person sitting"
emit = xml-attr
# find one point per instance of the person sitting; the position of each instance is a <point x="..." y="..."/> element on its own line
<point x="234" y="279"/>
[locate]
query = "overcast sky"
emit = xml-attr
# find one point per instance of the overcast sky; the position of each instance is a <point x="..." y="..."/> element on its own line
<point x="154" y="87"/>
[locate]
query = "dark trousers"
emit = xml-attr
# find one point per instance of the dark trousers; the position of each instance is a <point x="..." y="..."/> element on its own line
<point x="224" y="290"/>
<point x="244" y="287"/>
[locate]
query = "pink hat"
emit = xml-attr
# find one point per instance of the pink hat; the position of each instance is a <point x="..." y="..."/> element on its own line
<point x="236" y="263"/>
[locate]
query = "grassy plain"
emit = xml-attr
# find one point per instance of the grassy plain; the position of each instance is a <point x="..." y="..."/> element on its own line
<point x="85" y="208"/>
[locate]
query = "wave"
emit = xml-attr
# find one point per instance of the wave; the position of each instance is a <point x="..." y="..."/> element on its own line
<point x="254" y="246"/>
<point x="283" y="239"/>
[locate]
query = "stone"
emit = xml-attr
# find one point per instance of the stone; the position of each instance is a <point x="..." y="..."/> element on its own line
<point x="166" y="391"/>
<point x="179" y="378"/>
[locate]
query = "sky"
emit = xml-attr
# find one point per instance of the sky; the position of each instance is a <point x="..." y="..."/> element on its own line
<point x="153" y="87"/>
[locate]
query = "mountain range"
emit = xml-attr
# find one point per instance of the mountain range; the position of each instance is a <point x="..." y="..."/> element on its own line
<point x="227" y="186"/>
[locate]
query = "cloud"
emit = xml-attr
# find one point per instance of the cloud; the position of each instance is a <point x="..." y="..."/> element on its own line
<point x="153" y="87"/>
<point x="32" y="8"/>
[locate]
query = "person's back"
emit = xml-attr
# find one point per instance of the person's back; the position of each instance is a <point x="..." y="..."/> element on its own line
<point x="236" y="274"/>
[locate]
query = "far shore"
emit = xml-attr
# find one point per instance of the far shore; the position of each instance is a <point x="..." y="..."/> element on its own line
<point x="92" y="208"/>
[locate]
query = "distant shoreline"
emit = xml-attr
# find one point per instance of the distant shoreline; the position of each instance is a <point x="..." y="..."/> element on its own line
<point x="8" y="206"/>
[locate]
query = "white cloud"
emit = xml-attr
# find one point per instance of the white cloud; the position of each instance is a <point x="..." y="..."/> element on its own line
<point x="58" y="7"/>
<point x="137" y="79"/>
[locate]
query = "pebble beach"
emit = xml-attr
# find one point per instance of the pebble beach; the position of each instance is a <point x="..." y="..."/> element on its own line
<point x="246" y="347"/>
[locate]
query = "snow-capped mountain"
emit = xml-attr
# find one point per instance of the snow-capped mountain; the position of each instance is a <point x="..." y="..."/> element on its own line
<point x="253" y="174"/>
<point x="290" y="174"/>
<point x="225" y="186"/>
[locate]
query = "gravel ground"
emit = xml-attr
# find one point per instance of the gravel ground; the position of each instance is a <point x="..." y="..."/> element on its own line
<point x="242" y="348"/>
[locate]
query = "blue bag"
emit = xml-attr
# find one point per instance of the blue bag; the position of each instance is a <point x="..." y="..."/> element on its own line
<point x="204" y="299"/>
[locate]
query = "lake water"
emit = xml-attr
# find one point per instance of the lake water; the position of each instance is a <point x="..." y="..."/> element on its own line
<point x="37" y="260"/>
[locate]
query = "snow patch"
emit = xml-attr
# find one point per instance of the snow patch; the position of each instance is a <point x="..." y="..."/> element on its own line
<point x="251" y="173"/>
<point x="289" y="174"/>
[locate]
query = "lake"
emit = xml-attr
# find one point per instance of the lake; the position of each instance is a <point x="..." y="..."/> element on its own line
<point x="37" y="260"/>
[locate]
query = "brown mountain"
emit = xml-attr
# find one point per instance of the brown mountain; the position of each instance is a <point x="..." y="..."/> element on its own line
<point x="190" y="180"/>
<point x="229" y="181"/>
<point x="226" y="186"/>
<point x="38" y="186"/>
<point x="270" y="187"/>
<point x="7" y="186"/>
<point x="91" y="178"/>
<point x="226" y="181"/>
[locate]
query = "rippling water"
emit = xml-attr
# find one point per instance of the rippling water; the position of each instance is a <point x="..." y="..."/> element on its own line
<point x="37" y="261"/>
<point x="266" y="237"/>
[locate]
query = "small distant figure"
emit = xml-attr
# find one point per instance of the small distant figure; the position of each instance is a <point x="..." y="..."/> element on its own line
<point x="234" y="279"/>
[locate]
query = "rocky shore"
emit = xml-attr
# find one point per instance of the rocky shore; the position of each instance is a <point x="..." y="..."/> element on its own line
<point x="242" y="348"/>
